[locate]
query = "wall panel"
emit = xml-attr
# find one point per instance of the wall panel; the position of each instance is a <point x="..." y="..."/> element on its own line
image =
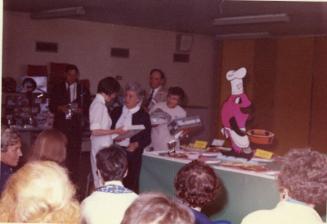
<point x="293" y="92"/>
<point x="318" y="130"/>
<point x="264" y="84"/>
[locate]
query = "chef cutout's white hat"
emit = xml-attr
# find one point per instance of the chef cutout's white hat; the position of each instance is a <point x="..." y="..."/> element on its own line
<point x="236" y="79"/>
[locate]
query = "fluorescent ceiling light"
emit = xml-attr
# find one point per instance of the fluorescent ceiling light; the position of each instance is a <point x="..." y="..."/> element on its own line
<point x="59" y="13"/>
<point x="243" y="35"/>
<point x="264" y="18"/>
<point x="283" y="0"/>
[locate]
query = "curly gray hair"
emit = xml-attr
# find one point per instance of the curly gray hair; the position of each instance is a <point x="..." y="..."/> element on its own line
<point x="304" y="175"/>
<point x="137" y="88"/>
<point x="8" y="137"/>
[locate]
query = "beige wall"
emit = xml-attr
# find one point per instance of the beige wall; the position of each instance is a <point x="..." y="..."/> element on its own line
<point x="87" y="44"/>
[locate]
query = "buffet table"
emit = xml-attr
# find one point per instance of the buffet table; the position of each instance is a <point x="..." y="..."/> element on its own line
<point x="246" y="190"/>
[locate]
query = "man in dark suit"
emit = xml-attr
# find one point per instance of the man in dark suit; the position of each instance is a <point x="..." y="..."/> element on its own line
<point x="158" y="92"/>
<point x="69" y="102"/>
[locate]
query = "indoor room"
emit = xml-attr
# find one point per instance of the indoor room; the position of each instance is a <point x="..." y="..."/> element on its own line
<point x="234" y="90"/>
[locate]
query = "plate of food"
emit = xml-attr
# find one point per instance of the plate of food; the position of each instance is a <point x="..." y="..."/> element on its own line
<point x="176" y="155"/>
<point x="244" y="166"/>
<point x="215" y="150"/>
<point x="209" y="160"/>
<point x="257" y="159"/>
<point x="190" y="148"/>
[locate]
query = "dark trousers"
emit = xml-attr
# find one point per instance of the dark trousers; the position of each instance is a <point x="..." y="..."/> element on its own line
<point x="73" y="132"/>
<point x="131" y="181"/>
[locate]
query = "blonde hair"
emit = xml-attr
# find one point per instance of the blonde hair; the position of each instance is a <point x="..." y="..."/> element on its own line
<point x="49" y="145"/>
<point x="39" y="192"/>
<point x="156" y="208"/>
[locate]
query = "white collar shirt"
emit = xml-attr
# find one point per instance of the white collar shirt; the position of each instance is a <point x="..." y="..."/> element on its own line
<point x="72" y="91"/>
<point x="107" y="204"/>
<point x="125" y="121"/>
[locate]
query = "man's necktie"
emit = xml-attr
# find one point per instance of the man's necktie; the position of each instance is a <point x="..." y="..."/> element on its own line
<point x="150" y="98"/>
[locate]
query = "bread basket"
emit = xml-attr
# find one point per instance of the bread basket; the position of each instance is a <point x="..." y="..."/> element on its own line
<point x="261" y="136"/>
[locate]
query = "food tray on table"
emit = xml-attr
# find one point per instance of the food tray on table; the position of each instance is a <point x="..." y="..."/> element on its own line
<point x="208" y="151"/>
<point x="209" y="159"/>
<point x="176" y="155"/>
<point x="190" y="156"/>
<point x="244" y="166"/>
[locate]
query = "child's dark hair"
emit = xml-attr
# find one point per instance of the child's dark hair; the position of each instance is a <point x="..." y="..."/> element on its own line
<point x="112" y="163"/>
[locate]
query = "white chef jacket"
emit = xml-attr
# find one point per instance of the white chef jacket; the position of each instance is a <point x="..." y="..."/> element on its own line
<point x="99" y="119"/>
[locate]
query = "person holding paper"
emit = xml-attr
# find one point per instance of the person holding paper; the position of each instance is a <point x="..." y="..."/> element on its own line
<point x="133" y="114"/>
<point x="100" y="121"/>
<point x="160" y="134"/>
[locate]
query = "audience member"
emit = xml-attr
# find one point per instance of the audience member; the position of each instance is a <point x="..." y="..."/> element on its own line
<point x="100" y="121"/>
<point x="10" y="154"/>
<point x="303" y="185"/>
<point x="132" y="114"/>
<point x="158" y="93"/>
<point x="49" y="145"/>
<point x="40" y="191"/>
<point x="109" y="202"/>
<point x="160" y="134"/>
<point x="156" y="208"/>
<point x="197" y="185"/>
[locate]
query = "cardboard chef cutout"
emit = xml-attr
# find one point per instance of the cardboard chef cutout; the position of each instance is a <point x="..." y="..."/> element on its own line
<point x="234" y="118"/>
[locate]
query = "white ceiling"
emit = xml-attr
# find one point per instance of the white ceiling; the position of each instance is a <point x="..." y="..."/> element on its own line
<point x="193" y="16"/>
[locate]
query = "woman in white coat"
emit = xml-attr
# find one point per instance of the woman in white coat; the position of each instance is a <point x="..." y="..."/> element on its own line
<point x="100" y="121"/>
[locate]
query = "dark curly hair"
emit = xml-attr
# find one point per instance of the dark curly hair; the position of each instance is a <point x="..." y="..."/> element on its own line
<point x="304" y="175"/>
<point x="177" y="91"/>
<point x="197" y="184"/>
<point x="112" y="163"/>
<point x="108" y="85"/>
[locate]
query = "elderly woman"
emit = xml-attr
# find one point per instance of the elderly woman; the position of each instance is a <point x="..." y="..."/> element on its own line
<point x="41" y="192"/>
<point x="49" y="145"/>
<point x="132" y="114"/>
<point x="10" y="154"/>
<point x="303" y="185"/>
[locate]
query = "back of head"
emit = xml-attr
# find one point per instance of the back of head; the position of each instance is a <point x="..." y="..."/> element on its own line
<point x="112" y="163"/>
<point x="108" y="85"/>
<point x="304" y="175"/>
<point x="156" y="208"/>
<point x="40" y="191"/>
<point x="49" y="145"/>
<point x="197" y="184"/>
<point x="8" y="137"/>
